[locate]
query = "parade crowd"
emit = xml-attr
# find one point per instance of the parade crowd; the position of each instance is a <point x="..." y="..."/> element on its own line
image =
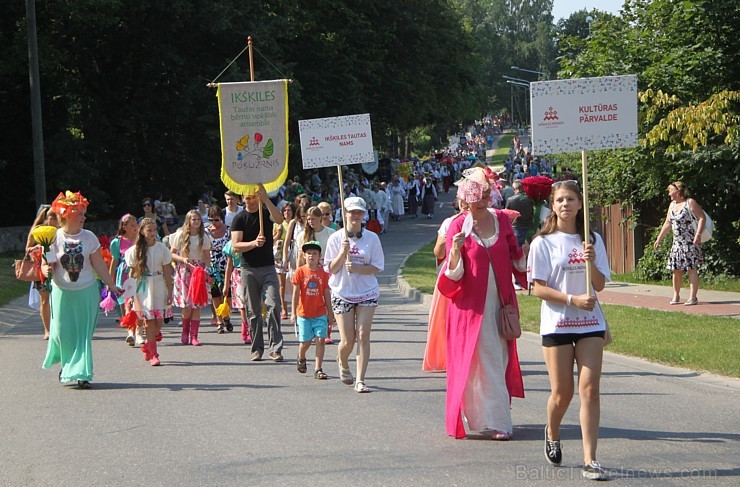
<point x="305" y="256"/>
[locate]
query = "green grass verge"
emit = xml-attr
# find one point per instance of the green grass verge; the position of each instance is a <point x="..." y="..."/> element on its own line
<point x="702" y="343"/>
<point x="10" y="287"/>
<point x="499" y="154"/>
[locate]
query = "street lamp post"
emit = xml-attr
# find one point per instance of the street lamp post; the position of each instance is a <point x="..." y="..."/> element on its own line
<point x="532" y="71"/>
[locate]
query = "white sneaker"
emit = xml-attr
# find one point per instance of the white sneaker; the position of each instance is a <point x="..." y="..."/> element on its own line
<point x="140" y="339"/>
<point x="594" y="471"/>
<point x="517" y="287"/>
<point x="130" y="339"/>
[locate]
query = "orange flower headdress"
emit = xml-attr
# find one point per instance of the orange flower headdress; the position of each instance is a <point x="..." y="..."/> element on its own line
<point x="68" y="202"/>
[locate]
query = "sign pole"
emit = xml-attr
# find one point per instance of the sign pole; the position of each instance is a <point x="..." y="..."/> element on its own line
<point x="586" y="229"/>
<point x="251" y="78"/>
<point x="345" y="219"/>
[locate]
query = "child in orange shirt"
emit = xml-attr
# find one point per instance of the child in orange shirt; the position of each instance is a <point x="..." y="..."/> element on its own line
<point x="311" y="307"/>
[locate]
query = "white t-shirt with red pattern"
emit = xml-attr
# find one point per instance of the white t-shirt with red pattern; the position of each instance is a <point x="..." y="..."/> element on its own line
<point x="558" y="260"/>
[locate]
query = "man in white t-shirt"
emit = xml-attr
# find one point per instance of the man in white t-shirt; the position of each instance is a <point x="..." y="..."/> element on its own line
<point x="232" y="207"/>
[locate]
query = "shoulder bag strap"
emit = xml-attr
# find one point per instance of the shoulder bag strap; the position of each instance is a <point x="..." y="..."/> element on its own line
<point x="498" y="290"/>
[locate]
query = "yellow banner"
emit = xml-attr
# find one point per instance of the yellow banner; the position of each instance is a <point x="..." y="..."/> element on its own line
<point x="254" y="134"/>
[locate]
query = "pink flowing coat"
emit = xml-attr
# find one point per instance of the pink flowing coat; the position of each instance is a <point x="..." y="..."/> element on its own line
<point x="465" y="311"/>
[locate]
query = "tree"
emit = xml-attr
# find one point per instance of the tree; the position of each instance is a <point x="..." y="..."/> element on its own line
<point x="688" y="112"/>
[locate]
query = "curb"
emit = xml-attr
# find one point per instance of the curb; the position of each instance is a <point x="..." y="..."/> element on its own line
<point x="408" y="291"/>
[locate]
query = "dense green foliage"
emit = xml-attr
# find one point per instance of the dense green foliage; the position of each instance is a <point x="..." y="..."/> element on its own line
<point x="126" y="111"/>
<point x="686" y="57"/>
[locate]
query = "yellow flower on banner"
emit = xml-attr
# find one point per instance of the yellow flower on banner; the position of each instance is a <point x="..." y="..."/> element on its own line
<point x="224" y="310"/>
<point x="242" y="143"/>
<point x="44" y="235"/>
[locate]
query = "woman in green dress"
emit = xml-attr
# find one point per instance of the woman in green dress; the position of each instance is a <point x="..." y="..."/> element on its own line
<point x="72" y="258"/>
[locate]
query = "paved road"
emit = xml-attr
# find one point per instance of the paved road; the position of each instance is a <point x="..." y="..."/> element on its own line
<point x="211" y="417"/>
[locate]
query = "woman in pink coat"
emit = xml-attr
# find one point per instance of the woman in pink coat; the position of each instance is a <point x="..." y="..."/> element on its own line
<point x="482" y="368"/>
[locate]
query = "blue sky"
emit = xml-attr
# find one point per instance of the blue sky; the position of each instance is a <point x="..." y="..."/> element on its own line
<point x="563" y="8"/>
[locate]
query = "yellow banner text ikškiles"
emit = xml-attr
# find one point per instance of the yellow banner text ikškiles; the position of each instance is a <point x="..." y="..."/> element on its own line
<point x="254" y="134"/>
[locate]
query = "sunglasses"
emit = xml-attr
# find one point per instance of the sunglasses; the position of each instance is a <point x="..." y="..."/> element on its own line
<point x="354" y="235"/>
<point x="326" y="214"/>
<point x="147" y="204"/>
<point x="215" y="219"/>
<point x="571" y="183"/>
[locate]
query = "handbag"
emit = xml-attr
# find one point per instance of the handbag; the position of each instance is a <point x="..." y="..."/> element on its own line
<point x="706" y="235"/>
<point x="26" y="269"/>
<point x="509" y="327"/>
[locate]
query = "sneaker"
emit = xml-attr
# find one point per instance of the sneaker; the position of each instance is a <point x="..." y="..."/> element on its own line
<point x="140" y="340"/>
<point x="130" y="340"/>
<point x="256" y="356"/>
<point x="594" y="471"/>
<point x="553" y="451"/>
<point x="276" y="356"/>
<point x="517" y="287"/>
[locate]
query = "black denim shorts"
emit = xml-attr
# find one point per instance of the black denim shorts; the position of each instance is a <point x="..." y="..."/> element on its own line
<point x="558" y="339"/>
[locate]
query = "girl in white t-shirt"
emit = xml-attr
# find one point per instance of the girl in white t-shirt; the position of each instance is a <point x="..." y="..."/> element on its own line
<point x="572" y="324"/>
<point x="191" y="248"/>
<point x="149" y="263"/>
<point x="353" y="258"/>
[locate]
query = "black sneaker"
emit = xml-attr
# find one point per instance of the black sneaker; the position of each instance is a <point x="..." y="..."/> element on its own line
<point x="553" y="451"/>
<point x="594" y="471"/>
<point x="84" y="384"/>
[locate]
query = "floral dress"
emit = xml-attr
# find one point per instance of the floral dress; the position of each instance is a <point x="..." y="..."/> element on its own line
<point x="183" y="272"/>
<point x="684" y="255"/>
<point x="218" y="259"/>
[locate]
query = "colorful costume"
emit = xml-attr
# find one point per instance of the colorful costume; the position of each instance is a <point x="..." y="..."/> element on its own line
<point x="482" y="369"/>
<point x="74" y="306"/>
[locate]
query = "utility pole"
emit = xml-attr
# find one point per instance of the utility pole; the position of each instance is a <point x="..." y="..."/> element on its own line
<point x="39" y="171"/>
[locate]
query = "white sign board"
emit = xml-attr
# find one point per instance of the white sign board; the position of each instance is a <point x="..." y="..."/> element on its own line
<point x="336" y="141"/>
<point x="584" y="114"/>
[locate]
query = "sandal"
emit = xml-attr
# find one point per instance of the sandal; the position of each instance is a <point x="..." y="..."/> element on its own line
<point x="301" y="364"/>
<point x="361" y="387"/>
<point x="319" y="375"/>
<point x="284" y="315"/>
<point x="675" y="301"/>
<point x="344" y="374"/>
<point x="220" y="329"/>
<point x="500" y="435"/>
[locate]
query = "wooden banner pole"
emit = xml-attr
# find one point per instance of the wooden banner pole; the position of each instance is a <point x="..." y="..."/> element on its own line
<point x="586" y="229"/>
<point x="251" y="78"/>
<point x="345" y="220"/>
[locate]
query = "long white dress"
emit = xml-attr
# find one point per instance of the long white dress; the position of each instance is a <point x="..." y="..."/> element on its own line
<point x="486" y="401"/>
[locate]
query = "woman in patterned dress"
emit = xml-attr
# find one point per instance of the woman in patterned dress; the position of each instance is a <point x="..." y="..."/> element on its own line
<point x="685" y="252"/>
<point x="220" y="234"/>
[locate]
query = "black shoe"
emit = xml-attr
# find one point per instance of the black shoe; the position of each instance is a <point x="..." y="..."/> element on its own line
<point x="594" y="471"/>
<point x="84" y="384"/>
<point x="553" y="452"/>
<point x="228" y="325"/>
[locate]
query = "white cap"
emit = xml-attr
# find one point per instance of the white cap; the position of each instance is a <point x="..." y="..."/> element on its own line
<point x="355" y="203"/>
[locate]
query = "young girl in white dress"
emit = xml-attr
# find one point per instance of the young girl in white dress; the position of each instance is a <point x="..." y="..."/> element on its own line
<point x="149" y="263"/>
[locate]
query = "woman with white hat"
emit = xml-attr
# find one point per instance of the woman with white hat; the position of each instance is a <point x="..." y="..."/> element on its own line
<point x="353" y="258"/>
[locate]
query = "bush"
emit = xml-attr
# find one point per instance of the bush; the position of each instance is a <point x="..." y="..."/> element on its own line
<point x="652" y="264"/>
